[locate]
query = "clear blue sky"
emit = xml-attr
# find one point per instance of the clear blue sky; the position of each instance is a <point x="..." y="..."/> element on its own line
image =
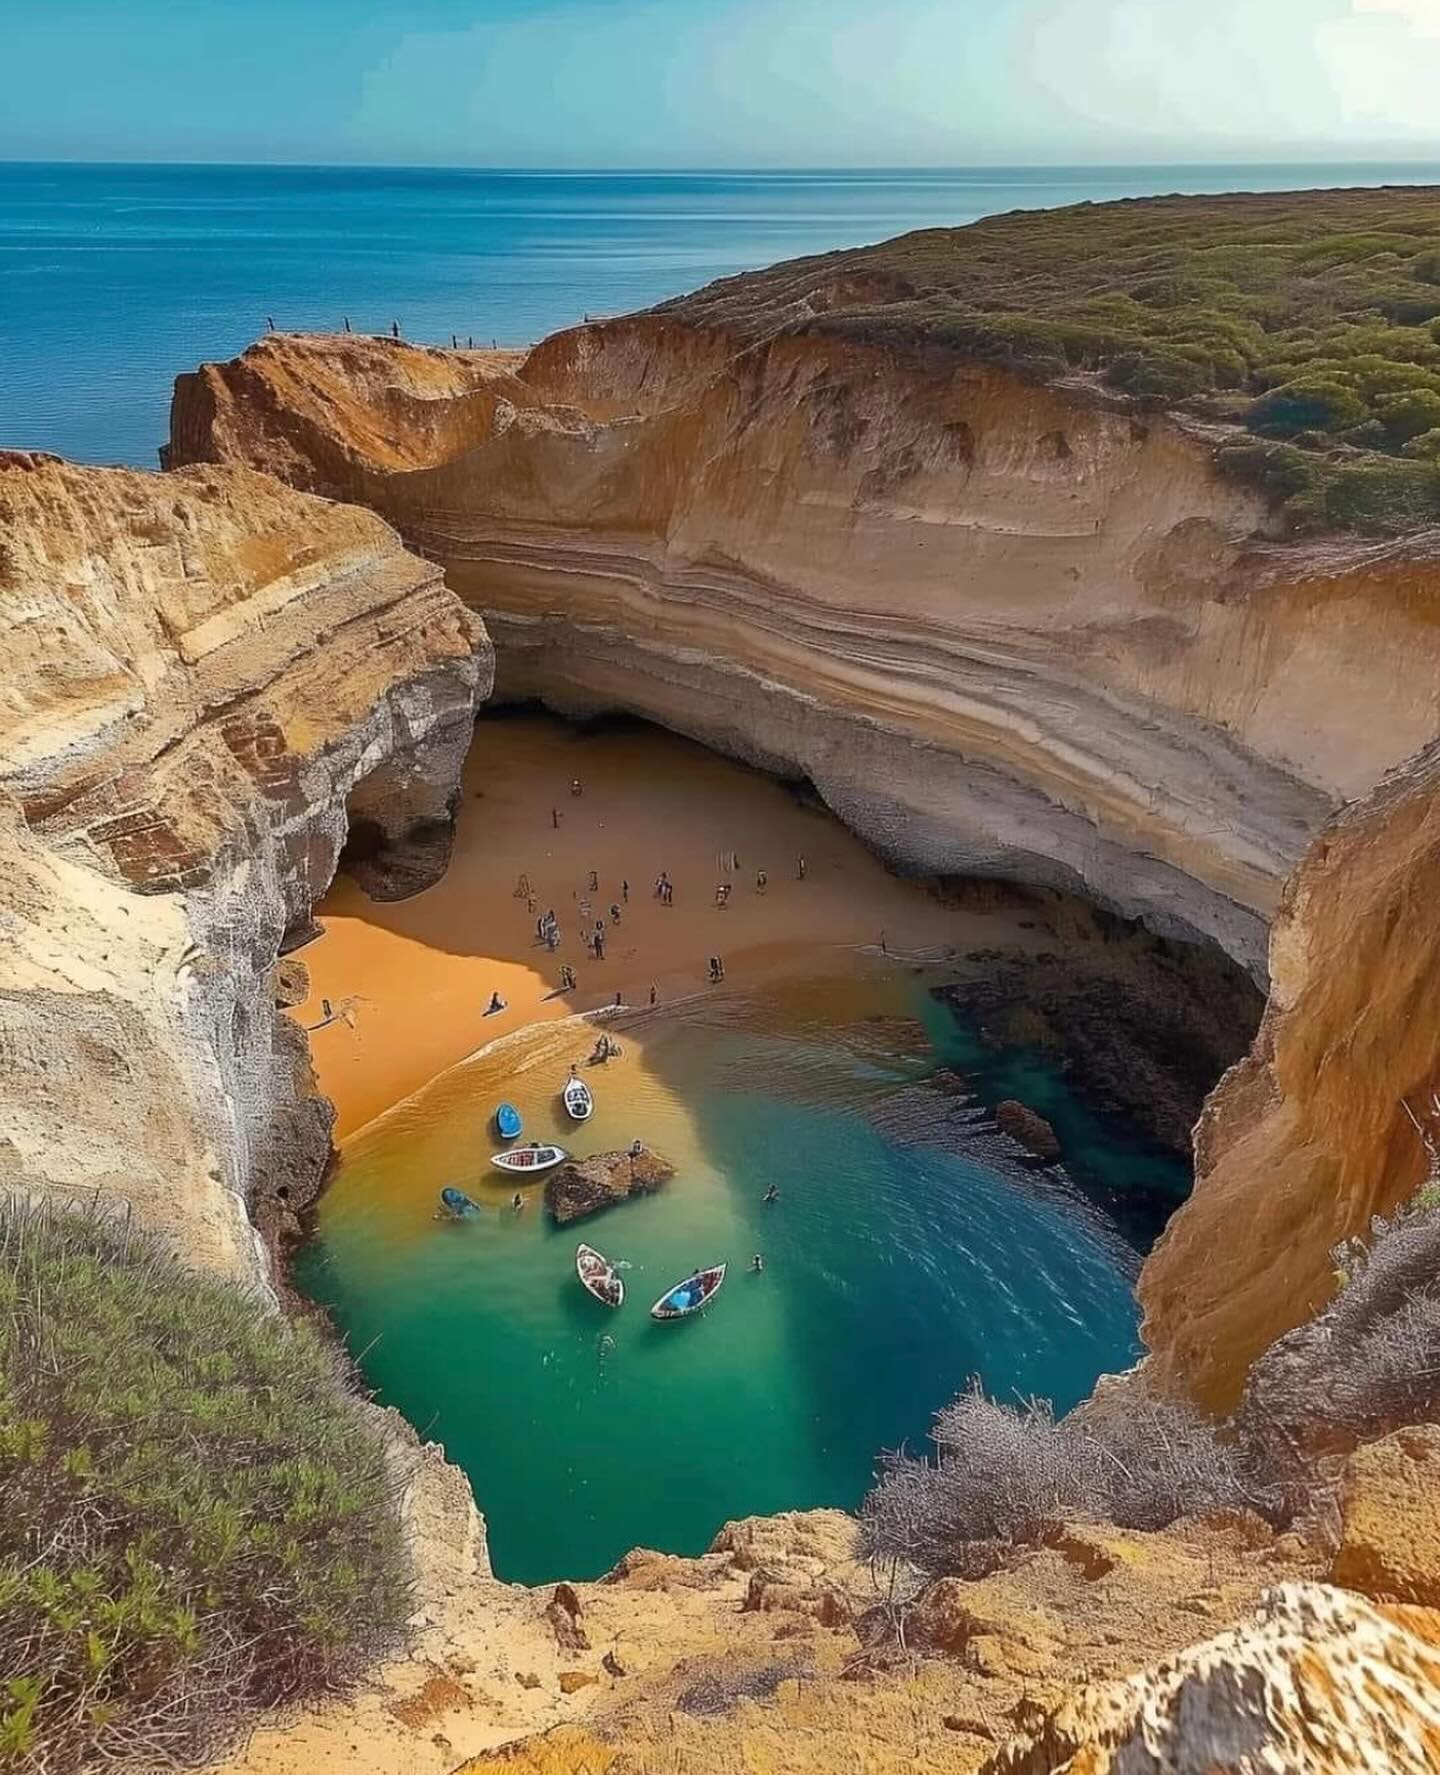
<point x="719" y="82"/>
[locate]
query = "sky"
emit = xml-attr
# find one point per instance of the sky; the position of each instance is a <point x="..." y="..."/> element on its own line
<point x="741" y="83"/>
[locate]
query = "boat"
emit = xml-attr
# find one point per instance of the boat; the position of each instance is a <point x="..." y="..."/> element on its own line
<point x="456" y="1203"/>
<point x="598" y="1275"/>
<point x="537" y="1156"/>
<point x="507" y="1121"/>
<point x="690" y="1295"/>
<point x="579" y="1104"/>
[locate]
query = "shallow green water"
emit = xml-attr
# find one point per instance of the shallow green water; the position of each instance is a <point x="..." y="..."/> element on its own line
<point x="894" y="1270"/>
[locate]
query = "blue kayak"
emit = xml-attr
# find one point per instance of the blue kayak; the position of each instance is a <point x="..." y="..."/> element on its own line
<point x="507" y="1121"/>
<point x="456" y="1202"/>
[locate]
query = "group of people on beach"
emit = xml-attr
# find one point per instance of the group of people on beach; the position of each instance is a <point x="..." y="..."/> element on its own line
<point x="594" y="930"/>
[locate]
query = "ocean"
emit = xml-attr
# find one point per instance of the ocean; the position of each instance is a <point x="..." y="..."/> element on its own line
<point x="115" y="278"/>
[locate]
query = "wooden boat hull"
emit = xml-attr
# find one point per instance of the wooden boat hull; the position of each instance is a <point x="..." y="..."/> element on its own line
<point x="527" y="1161"/>
<point x="456" y="1203"/>
<point x="598" y="1277"/>
<point x="689" y="1296"/>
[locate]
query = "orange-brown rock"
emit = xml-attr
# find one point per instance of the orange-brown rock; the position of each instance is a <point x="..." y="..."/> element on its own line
<point x="1028" y="1127"/>
<point x="207" y="677"/>
<point x="1390" y="1525"/>
<point x="1308" y="1137"/>
<point x="583" y="1187"/>
<point x="1004" y="628"/>
<point x="1317" y="1683"/>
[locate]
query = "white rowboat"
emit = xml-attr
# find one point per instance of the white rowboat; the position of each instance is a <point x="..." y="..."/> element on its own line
<point x="599" y="1277"/>
<point x="536" y="1157"/>
<point x="579" y="1104"/>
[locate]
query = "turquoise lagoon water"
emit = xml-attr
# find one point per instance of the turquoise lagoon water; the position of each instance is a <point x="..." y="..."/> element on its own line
<point x="114" y="278"/>
<point x="903" y="1257"/>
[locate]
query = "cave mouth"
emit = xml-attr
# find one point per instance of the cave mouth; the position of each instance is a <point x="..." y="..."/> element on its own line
<point x="856" y="1054"/>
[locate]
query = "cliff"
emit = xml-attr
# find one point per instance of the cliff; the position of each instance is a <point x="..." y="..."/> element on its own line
<point x="1308" y="1137"/>
<point x="1007" y="623"/>
<point x="1008" y="617"/>
<point x="207" y="678"/>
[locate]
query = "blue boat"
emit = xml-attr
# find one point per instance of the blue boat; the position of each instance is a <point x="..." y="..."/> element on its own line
<point x="507" y="1121"/>
<point x="456" y="1203"/>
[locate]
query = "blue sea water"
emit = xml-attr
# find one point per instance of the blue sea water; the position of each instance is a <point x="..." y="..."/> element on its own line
<point x="114" y="278"/>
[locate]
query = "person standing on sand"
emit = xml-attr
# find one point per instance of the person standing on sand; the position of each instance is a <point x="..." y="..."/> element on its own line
<point x="594" y="882"/>
<point x="618" y="1000"/>
<point x="800" y="869"/>
<point x="555" y="818"/>
<point x="654" y="995"/>
<point x="762" y="881"/>
<point x="625" y="892"/>
<point x="884" y="949"/>
<point x="576" y="788"/>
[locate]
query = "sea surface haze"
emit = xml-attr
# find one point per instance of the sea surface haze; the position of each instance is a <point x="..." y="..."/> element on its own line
<point x="115" y="278"/>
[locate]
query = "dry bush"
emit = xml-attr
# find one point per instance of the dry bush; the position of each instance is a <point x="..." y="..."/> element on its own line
<point x="1371" y="1361"/>
<point x="1002" y="1474"/>
<point x="195" y="1520"/>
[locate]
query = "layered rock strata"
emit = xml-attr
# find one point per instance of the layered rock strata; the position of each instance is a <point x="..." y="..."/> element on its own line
<point x="207" y="677"/>
<point x="1004" y="628"/>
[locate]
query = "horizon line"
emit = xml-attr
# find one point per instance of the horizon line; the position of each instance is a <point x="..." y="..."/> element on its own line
<point x="719" y="170"/>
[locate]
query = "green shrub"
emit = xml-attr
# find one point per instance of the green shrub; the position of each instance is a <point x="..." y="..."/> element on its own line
<point x="1406" y="416"/>
<point x="1314" y="403"/>
<point x="1426" y="447"/>
<point x="196" y="1521"/>
<point x="1313" y="303"/>
<point x="1382" y="496"/>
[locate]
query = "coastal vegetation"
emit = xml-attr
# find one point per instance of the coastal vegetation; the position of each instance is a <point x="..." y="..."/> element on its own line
<point x="1003" y="1476"/>
<point x="1308" y="323"/>
<point x="196" y="1522"/>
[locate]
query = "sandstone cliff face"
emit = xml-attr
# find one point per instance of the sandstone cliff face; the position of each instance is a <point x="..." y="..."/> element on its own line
<point x="203" y="672"/>
<point x="1308" y="1138"/>
<point x="1004" y="628"/>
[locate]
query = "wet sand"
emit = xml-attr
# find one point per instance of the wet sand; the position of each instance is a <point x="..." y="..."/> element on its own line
<point x="415" y="977"/>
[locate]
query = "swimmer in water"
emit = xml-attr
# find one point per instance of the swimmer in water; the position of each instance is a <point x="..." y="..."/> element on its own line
<point x="517" y="1201"/>
<point x="757" y="1263"/>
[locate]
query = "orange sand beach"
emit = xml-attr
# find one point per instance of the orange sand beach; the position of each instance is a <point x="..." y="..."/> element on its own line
<point x="413" y="979"/>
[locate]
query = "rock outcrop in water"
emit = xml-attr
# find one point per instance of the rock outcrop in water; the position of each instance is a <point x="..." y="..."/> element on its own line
<point x="586" y="1186"/>
<point x="207" y="678"/>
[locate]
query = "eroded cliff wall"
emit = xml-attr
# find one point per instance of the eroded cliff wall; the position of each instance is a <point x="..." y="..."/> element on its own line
<point x="200" y="670"/>
<point x="1309" y="1136"/>
<point x="1004" y="628"/>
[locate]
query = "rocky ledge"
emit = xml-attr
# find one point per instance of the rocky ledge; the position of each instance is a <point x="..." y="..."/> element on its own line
<point x="585" y="1186"/>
